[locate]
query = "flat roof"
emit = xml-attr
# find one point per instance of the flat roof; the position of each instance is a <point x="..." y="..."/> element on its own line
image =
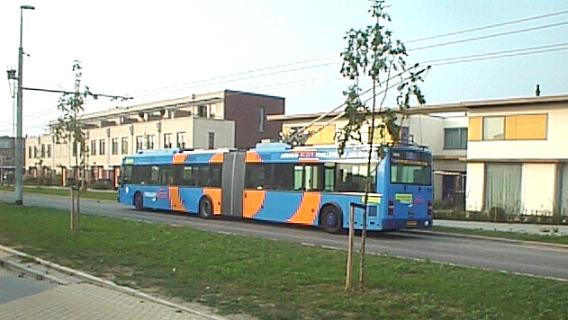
<point x="447" y="107"/>
<point x="207" y="97"/>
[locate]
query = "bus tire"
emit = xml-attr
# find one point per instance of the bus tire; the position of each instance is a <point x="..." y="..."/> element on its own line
<point x="138" y="201"/>
<point x="331" y="219"/>
<point x="205" y="208"/>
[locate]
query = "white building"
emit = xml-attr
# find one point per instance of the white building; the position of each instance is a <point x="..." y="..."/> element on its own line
<point x="517" y="154"/>
<point x="213" y="120"/>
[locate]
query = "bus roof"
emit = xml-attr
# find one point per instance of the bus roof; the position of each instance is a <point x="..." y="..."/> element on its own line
<point x="269" y="152"/>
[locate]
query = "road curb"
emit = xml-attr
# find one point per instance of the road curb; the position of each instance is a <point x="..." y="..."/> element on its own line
<point x="471" y="236"/>
<point x="22" y="268"/>
<point x="92" y="280"/>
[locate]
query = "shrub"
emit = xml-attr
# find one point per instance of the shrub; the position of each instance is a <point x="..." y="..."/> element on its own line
<point x="102" y="184"/>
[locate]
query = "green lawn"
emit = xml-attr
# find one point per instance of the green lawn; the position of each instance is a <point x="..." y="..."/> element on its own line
<point x="504" y="234"/>
<point x="271" y="279"/>
<point x="65" y="192"/>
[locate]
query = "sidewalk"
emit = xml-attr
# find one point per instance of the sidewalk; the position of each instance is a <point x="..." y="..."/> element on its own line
<point x="72" y="294"/>
<point x="558" y="230"/>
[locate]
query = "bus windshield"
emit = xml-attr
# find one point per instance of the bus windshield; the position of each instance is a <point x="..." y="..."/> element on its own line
<point x="411" y="168"/>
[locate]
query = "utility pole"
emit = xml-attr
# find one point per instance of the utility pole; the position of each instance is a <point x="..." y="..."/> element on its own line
<point x="19" y="146"/>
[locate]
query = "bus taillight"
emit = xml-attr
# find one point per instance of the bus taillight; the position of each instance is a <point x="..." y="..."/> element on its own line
<point x="391" y="208"/>
<point x="429" y="208"/>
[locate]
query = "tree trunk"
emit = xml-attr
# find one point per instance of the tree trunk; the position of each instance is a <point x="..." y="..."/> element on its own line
<point x="74" y="212"/>
<point x="349" y="272"/>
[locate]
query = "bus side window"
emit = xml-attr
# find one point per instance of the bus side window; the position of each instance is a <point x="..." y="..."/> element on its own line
<point x="298" y="178"/>
<point x="255" y="176"/>
<point x="313" y="178"/>
<point x="329" y="178"/>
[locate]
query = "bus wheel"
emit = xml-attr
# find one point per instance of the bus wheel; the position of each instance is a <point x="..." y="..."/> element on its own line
<point x="138" y="201"/>
<point x="330" y="219"/>
<point x="205" y="208"/>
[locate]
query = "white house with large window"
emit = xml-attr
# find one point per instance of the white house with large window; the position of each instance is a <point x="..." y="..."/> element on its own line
<point x="517" y="157"/>
<point x="517" y="153"/>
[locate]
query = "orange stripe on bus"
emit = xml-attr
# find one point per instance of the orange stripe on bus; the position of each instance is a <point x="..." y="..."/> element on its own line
<point x="308" y="209"/>
<point x="215" y="195"/>
<point x="217" y="158"/>
<point x="253" y="201"/>
<point x="175" y="199"/>
<point x="179" y="158"/>
<point x="252" y="156"/>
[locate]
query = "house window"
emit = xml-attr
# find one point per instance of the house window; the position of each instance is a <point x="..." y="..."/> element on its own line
<point x="455" y="138"/>
<point x="564" y="190"/>
<point x="102" y="147"/>
<point x="404" y="134"/>
<point x="180" y="139"/>
<point x="167" y="140"/>
<point x="48" y="152"/>
<point x="150" y="142"/>
<point x="493" y="128"/>
<point x="124" y="145"/>
<point x="30" y="153"/>
<point x="36" y="153"/>
<point x="139" y="143"/>
<point x="42" y="153"/>
<point x="262" y="119"/>
<point x="202" y="111"/>
<point x="93" y="147"/>
<point x="211" y="140"/>
<point x="503" y="187"/>
<point x="114" y="146"/>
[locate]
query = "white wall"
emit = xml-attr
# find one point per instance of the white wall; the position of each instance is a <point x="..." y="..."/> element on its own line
<point x="475" y="186"/>
<point x="427" y="131"/>
<point x="223" y="129"/>
<point x="554" y="147"/>
<point x="537" y="190"/>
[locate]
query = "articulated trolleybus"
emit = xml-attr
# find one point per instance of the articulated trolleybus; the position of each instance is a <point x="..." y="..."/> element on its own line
<point x="273" y="182"/>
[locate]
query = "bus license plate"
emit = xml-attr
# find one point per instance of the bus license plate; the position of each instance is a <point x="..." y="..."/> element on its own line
<point x="411" y="223"/>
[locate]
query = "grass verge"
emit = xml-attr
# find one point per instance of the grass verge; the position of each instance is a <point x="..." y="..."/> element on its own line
<point x="271" y="279"/>
<point x="65" y="192"/>
<point x="505" y="235"/>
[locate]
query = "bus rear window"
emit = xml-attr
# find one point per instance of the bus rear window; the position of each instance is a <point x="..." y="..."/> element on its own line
<point x="410" y="174"/>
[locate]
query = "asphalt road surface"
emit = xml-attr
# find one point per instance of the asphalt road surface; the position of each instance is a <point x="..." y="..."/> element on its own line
<point x="523" y="258"/>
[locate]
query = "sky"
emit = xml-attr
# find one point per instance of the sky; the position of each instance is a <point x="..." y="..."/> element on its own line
<point x="154" y="50"/>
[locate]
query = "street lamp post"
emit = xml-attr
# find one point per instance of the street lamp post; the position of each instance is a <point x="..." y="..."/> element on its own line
<point x="19" y="161"/>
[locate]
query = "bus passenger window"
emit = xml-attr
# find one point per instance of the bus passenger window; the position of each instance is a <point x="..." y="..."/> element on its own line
<point x="329" y="178"/>
<point x="313" y="177"/>
<point x="298" y="178"/>
<point x="255" y="176"/>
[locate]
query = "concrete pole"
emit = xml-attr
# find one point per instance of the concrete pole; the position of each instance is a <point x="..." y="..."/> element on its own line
<point x="19" y="161"/>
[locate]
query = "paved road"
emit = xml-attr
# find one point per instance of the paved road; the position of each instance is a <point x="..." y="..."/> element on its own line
<point x="523" y="258"/>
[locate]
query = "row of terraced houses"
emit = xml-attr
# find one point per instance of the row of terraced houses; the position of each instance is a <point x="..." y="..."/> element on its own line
<point x="508" y="153"/>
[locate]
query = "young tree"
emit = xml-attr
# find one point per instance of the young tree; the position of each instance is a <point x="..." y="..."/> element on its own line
<point x="70" y="130"/>
<point x="372" y="54"/>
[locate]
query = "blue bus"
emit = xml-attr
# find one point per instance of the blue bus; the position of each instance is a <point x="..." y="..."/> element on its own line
<point x="273" y="182"/>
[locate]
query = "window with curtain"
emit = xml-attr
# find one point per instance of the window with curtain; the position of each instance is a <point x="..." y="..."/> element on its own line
<point x="503" y="187"/>
<point x="455" y="138"/>
<point x="564" y="190"/>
